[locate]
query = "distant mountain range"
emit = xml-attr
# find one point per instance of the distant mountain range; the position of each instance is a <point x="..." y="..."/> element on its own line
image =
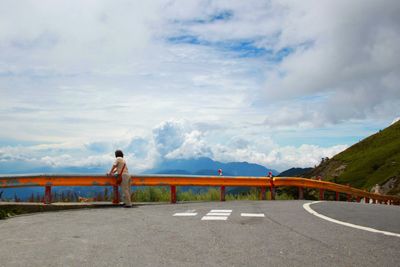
<point x="207" y="166"/>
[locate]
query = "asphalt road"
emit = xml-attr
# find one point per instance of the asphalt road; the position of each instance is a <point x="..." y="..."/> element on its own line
<point x="150" y="235"/>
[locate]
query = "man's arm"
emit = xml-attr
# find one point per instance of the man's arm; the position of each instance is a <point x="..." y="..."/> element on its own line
<point x="113" y="170"/>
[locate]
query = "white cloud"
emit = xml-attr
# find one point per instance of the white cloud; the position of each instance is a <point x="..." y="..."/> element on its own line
<point x="354" y="51"/>
<point x="194" y="143"/>
<point x="97" y="76"/>
<point x="278" y="157"/>
<point x="168" y="136"/>
<point x="346" y="52"/>
<point x="194" y="146"/>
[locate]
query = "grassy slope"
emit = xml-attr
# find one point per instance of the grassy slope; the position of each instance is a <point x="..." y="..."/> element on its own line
<point x="369" y="162"/>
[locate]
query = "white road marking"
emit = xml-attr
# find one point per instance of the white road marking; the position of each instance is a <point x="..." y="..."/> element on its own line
<point x="220" y="210"/>
<point x="252" y="214"/>
<point x="307" y="207"/>
<point x="214" y="218"/>
<point x="185" y="214"/>
<point x="219" y="213"/>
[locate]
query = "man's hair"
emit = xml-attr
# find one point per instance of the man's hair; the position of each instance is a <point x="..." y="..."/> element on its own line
<point x="118" y="153"/>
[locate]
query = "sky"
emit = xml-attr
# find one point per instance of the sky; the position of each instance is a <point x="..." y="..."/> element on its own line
<point x="278" y="83"/>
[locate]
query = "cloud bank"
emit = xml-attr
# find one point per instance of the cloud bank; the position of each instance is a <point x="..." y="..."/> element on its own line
<point x="172" y="139"/>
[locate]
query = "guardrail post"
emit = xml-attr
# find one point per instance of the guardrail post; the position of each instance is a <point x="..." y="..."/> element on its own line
<point x="321" y="191"/>
<point x="47" y="195"/>
<point x="301" y="192"/>
<point x="272" y="189"/>
<point x="173" y="194"/>
<point x="337" y="195"/>
<point x="222" y="193"/>
<point x="116" y="198"/>
<point x="349" y="196"/>
<point x="321" y="194"/>
<point x="263" y="194"/>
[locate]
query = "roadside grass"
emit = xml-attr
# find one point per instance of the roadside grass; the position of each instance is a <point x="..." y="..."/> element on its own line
<point x="9" y="211"/>
<point x="162" y="194"/>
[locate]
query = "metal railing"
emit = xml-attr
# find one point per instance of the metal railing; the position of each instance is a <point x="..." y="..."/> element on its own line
<point x="264" y="183"/>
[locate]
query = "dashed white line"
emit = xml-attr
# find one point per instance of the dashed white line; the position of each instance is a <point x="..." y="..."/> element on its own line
<point x="306" y="206"/>
<point x="221" y="211"/>
<point x="252" y="214"/>
<point x="186" y="213"/>
<point x="214" y="218"/>
<point x="217" y="215"/>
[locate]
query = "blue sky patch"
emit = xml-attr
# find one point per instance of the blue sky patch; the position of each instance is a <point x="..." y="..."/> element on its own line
<point x="186" y="39"/>
<point x="242" y="48"/>
<point x="223" y="15"/>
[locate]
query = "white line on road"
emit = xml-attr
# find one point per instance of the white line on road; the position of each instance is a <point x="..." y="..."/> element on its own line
<point x="220" y="210"/>
<point x="185" y="214"/>
<point x="219" y="213"/>
<point x="252" y="214"/>
<point x="214" y="218"/>
<point x="307" y="207"/>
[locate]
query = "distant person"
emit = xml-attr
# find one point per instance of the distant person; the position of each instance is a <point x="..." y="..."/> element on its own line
<point x="119" y="167"/>
<point x="377" y="189"/>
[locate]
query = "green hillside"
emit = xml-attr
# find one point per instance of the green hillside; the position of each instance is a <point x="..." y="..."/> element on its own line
<point x="374" y="160"/>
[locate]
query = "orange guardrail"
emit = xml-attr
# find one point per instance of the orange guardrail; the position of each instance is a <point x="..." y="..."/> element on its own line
<point x="49" y="180"/>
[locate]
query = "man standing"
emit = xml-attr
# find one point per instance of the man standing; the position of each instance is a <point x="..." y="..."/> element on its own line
<point x="119" y="167"/>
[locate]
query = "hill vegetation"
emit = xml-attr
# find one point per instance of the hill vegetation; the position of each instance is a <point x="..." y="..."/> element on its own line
<point x="374" y="160"/>
<point x="293" y="172"/>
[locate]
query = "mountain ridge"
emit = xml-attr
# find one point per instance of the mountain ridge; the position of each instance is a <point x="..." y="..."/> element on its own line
<point x="373" y="161"/>
<point x="207" y="166"/>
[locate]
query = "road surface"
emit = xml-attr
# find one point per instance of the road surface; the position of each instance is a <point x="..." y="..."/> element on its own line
<point x="233" y="233"/>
